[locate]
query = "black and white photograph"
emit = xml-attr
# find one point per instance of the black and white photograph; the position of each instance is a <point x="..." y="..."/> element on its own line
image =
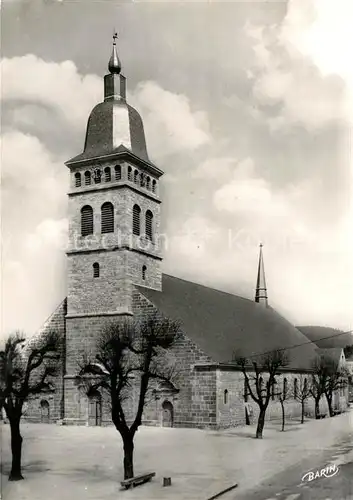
<point x="176" y="250"/>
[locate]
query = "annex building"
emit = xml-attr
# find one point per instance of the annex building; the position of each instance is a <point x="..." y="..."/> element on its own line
<point x="115" y="269"/>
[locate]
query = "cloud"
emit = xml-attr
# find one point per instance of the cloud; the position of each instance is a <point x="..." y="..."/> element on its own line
<point x="170" y="123"/>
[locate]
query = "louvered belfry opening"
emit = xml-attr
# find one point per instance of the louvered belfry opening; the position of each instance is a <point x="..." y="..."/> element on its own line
<point x="77" y="179"/>
<point x="117" y="169"/>
<point x="149" y="225"/>
<point x="144" y="269"/>
<point x="87" y="178"/>
<point x="136" y="217"/>
<point x="154" y="186"/>
<point x="107" y="218"/>
<point x="96" y="270"/>
<point x="129" y="174"/>
<point x="86" y="220"/>
<point x="107" y="174"/>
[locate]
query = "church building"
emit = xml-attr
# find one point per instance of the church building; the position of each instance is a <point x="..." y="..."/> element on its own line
<point x="114" y="271"/>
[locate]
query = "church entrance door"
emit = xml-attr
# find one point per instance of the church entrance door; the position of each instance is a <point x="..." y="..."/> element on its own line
<point x="167" y="416"/>
<point x="44" y="411"/>
<point x="95" y="409"/>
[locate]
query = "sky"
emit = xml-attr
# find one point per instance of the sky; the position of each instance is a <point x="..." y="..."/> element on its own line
<point x="247" y="108"/>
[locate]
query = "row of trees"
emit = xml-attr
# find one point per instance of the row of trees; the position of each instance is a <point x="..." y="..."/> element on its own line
<point x="260" y="373"/>
<point x="136" y="352"/>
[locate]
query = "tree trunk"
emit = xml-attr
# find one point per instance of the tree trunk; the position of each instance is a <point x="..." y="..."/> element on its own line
<point x="283" y="415"/>
<point x="128" y="456"/>
<point x="303" y="408"/>
<point x="260" y="423"/>
<point x="329" y="404"/>
<point x="317" y="408"/>
<point x="16" y="449"/>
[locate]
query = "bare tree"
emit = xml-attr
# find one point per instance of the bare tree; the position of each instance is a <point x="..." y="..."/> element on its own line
<point x="26" y="369"/>
<point x="282" y="396"/>
<point x="138" y="348"/>
<point x="301" y="391"/>
<point x="253" y="369"/>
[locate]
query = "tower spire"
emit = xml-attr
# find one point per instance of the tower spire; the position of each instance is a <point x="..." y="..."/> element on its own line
<point x="261" y="290"/>
<point x="114" y="65"/>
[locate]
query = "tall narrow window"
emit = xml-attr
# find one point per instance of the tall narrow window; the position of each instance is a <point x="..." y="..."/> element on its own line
<point x="295" y="388"/>
<point x="107" y="174"/>
<point x="136" y="176"/>
<point x="148" y="183"/>
<point x="285" y="387"/>
<point x="96" y="270"/>
<point x="225" y="397"/>
<point x="149" y="225"/>
<point x="154" y="186"/>
<point x="136" y="220"/>
<point x="261" y="383"/>
<point x="129" y="174"/>
<point x="117" y="170"/>
<point x="142" y="180"/>
<point x="86" y="220"/>
<point x="144" y="269"/>
<point x="107" y="218"/>
<point x="87" y="178"/>
<point x="305" y="386"/>
<point x="77" y="179"/>
<point x="97" y="176"/>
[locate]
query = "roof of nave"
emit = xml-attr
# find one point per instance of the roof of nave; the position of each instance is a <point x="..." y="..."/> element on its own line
<point x="220" y="323"/>
<point x="324" y="336"/>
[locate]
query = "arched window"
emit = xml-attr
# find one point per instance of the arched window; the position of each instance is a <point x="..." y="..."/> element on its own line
<point x="129" y="174"/>
<point x="107" y="218"/>
<point x="97" y="176"/>
<point x="285" y="387"/>
<point x="136" y="176"/>
<point x="149" y="225"/>
<point x="148" y="183"/>
<point x="77" y="179"/>
<point x="225" y="397"/>
<point x="136" y="217"/>
<point x="107" y="174"/>
<point x="154" y="186"/>
<point x="86" y="220"/>
<point x="87" y="178"/>
<point x="117" y="170"/>
<point x="295" y="388"/>
<point x="142" y="180"/>
<point x="96" y="270"/>
<point x="144" y="269"/>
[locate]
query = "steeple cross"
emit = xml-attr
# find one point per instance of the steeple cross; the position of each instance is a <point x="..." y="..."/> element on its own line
<point x="115" y="36"/>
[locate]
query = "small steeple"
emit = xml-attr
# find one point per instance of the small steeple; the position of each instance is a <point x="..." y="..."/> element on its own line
<point x="114" y="65"/>
<point x="261" y="290"/>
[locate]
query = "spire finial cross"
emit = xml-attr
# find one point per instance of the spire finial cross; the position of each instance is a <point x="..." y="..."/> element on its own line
<point x="115" y="36"/>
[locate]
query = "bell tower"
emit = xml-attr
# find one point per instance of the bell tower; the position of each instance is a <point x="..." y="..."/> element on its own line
<point x="114" y="220"/>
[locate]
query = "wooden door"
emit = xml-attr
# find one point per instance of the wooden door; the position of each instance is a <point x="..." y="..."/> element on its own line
<point x="167" y="416"/>
<point x="44" y="412"/>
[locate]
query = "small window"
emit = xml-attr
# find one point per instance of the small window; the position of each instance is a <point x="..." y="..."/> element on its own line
<point x="96" y="270"/>
<point x="285" y="387"/>
<point x="107" y="174"/>
<point x="295" y="388"/>
<point x="136" y="219"/>
<point x="148" y="183"/>
<point x="107" y="218"/>
<point x="144" y="269"/>
<point x="129" y="174"/>
<point x="149" y="225"/>
<point x="154" y="186"/>
<point x="225" y="397"/>
<point x="87" y="178"/>
<point x="117" y="170"/>
<point x="86" y="220"/>
<point x="136" y="176"/>
<point x="77" y="179"/>
<point x="97" y="176"/>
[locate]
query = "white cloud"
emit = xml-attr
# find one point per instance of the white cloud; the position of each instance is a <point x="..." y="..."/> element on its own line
<point x="170" y="123"/>
<point x="57" y="85"/>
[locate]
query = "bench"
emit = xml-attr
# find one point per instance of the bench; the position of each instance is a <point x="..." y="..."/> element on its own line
<point x="137" y="480"/>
